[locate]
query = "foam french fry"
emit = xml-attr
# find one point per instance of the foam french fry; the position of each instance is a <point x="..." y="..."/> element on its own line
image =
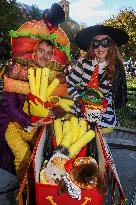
<point x="74" y="128"/>
<point x="66" y="141"/>
<point x="82" y="128"/>
<point x="106" y="130"/>
<point x="64" y="105"/>
<point x="38" y="80"/>
<point x="58" y="131"/>
<point x="43" y="179"/>
<point x="38" y="109"/>
<point x="66" y="127"/>
<point x="44" y="84"/>
<point x="68" y="102"/>
<point x="31" y="79"/>
<point x="76" y="147"/>
<point x="52" y="87"/>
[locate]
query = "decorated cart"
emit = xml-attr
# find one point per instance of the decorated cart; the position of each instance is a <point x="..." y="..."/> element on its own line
<point x="48" y="194"/>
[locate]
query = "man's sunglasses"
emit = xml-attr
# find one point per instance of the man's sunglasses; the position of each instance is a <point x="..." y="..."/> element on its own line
<point x="105" y="42"/>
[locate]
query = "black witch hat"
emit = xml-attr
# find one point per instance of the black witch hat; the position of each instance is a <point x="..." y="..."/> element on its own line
<point x="85" y="36"/>
<point x="55" y="15"/>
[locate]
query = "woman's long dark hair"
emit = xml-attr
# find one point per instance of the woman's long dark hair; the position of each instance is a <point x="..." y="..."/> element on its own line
<point x="113" y="56"/>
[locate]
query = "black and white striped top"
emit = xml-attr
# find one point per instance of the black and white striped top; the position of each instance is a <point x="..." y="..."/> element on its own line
<point x="78" y="80"/>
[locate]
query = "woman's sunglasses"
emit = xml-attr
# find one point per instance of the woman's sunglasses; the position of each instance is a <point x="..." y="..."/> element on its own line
<point x="105" y="42"/>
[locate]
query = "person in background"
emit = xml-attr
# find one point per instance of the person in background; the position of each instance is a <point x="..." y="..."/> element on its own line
<point x="34" y="44"/>
<point x="130" y="64"/>
<point x="102" y="61"/>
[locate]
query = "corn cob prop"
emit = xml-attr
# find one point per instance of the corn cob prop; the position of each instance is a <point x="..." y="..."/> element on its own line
<point x="40" y="97"/>
<point x="66" y="136"/>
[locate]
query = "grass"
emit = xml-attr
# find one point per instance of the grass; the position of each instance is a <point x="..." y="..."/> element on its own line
<point x="127" y="116"/>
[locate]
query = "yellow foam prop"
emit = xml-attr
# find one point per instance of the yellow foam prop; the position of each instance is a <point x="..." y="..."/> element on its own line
<point x="52" y="87"/>
<point x="66" y="141"/>
<point x="82" y="127"/>
<point x="38" y="109"/>
<point x="31" y="79"/>
<point x="74" y="128"/>
<point x="38" y="80"/>
<point x="44" y="84"/>
<point x="58" y="130"/>
<point x="76" y="147"/>
<point x="66" y="127"/>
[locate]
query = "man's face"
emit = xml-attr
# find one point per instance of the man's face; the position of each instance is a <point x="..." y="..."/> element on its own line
<point x="43" y="54"/>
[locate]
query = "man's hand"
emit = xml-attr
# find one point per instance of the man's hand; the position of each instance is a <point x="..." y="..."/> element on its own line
<point x="61" y="77"/>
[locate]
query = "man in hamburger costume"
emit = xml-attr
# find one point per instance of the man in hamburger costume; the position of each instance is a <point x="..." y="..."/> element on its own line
<point x="39" y="48"/>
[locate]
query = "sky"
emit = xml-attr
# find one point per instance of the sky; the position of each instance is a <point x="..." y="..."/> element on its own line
<point x="89" y="12"/>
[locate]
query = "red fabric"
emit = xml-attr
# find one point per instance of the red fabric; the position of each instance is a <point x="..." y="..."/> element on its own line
<point x="69" y="164"/>
<point x="23" y="47"/>
<point x="94" y="78"/>
<point x="59" y="56"/>
<point x="46" y="192"/>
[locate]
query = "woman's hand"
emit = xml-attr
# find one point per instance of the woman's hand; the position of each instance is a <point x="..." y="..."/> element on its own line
<point x="41" y="122"/>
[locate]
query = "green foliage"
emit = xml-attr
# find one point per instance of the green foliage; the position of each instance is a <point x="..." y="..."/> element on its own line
<point x="131" y="82"/>
<point x="71" y="28"/>
<point x="126" y="20"/>
<point x="35" y="13"/>
<point x="10" y="15"/>
<point x="127" y="116"/>
<point x="10" y="18"/>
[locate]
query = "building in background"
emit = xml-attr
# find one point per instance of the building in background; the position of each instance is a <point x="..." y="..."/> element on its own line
<point x="65" y="5"/>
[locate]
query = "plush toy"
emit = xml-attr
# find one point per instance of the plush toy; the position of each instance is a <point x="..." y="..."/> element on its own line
<point x="54" y="171"/>
<point x="83" y="175"/>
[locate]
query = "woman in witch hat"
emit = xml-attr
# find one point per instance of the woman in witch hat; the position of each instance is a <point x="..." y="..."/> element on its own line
<point x="98" y="82"/>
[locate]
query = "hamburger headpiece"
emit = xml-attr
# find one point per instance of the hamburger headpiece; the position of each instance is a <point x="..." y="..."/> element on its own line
<point x="26" y="38"/>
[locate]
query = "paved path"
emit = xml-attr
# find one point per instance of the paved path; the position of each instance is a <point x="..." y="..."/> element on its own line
<point x="125" y="159"/>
